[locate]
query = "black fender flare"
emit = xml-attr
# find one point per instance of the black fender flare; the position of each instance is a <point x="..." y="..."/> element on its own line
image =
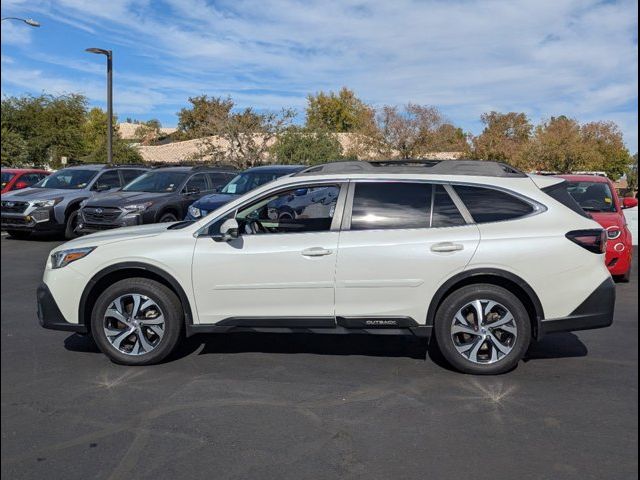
<point x="145" y="267"/>
<point x="468" y="275"/>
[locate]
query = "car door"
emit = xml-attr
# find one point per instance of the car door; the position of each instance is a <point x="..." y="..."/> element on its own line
<point x="280" y="270"/>
<point x="400" y="242"/>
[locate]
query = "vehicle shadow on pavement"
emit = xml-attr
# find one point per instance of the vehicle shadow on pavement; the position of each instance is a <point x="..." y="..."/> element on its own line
<point x="557" y="345"/>
<point x="560" y="345"/>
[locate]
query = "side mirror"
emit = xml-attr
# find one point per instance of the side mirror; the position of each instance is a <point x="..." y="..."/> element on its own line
<point x="20" y="185"/>
<point x="228" y="230"/>
<point x="190" y="190"/>
<point x="629" y="202"/>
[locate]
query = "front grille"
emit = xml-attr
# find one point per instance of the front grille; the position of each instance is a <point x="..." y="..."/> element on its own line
<point x="100" y="215"/>
<point x="9" y="206"/>
<point x="9" y="221"/>
<point x="98" y="226"/>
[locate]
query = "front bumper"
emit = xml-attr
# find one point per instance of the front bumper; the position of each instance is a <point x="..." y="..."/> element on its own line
<point x="40" y="219"/>
<point x="595" y="312"/>
<point x="619" y="256"/>
<point x="49" y="314"/>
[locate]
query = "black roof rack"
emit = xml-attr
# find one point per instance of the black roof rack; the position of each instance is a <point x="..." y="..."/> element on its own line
<point x="433" y="167"/>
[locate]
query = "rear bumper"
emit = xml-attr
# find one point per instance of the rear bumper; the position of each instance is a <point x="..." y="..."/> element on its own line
<point x="595" y="312"/>
<point x="49" y="314"/>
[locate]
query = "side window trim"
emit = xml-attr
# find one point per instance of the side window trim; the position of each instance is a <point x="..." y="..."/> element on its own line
<point x="459" y="203"/>
<point x="336" y="221"/>
<point x="346" y="219"/>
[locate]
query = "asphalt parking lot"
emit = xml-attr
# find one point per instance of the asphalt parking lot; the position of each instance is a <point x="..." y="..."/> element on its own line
<point x="323" y="407"/>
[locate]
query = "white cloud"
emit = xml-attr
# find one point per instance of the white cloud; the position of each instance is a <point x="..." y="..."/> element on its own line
<point x="544" y="57"/>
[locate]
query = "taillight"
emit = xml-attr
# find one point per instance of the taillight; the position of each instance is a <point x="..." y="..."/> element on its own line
<point x="593" y="240"/>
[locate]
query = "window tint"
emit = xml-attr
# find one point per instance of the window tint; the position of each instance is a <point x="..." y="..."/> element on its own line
<point x="129" y="175"/>
<point x="488" y="205"/>
<point x="378" y="205"/>
<point x="198" y="181"/>
<point x="304" y="209"/>
<point x="445" y="212"/>
<point x="30" y="178"/>
<point x="219" y="179"/>
<point x="109" y="179"/>
<point x="592" y="196"/>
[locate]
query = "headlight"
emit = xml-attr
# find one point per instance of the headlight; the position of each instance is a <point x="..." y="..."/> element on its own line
<point x="613" y="233"/>
<point x="139" y="207"/>
<point x="62" y="258"/>
<point x="47" y="203"/>
<point x="195" y="212"/>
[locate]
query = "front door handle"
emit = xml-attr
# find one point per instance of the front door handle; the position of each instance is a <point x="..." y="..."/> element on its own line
<point x="447" y="247"/>
<point x="316" y="252"/>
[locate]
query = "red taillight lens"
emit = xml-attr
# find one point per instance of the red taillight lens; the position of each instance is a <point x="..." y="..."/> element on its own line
<point x="593" y="240"/>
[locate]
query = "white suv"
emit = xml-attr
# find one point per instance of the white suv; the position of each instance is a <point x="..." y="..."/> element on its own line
<point x="479" y="254"/>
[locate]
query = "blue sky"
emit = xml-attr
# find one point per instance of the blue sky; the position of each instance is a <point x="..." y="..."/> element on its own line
<point x="542" y="57"/>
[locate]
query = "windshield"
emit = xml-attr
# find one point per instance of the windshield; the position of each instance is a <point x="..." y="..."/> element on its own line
<point x="156" y="182"/>
<point x="244" y="182"/>
<point x="68" y="178"/>
<point x="592" y="196"/>
<point x="6" y="178"/>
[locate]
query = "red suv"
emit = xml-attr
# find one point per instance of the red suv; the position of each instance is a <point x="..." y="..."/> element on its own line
<point x="18" y="178"/>
<point x="598" y="197"/>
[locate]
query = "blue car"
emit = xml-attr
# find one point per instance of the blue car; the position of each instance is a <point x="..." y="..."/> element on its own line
<point x="241" y="184"/>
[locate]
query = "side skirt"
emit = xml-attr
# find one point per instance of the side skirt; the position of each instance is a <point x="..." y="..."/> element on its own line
<point x="322" y="325"/>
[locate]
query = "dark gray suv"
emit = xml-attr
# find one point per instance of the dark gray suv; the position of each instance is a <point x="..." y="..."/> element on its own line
<point x="52" y="204"/>
<point x="160" y="195"/>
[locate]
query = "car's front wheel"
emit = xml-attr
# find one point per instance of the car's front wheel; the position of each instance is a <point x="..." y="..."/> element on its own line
<point x="137" y="321"/>
<point x="482" y="329"/>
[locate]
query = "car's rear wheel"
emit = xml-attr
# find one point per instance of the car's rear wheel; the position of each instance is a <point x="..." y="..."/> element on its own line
<point x="137" y="321"/>
<point x="482" y="329"/>
<point x="19" y="234"/>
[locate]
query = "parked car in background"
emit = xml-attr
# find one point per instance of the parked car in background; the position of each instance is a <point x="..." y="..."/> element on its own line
<point x="478" y="254"/>
<point x="241" y="184"/>
<point x="52" y="204"/>
<point x="19" y="178"/>
<point x="597" y="196"/>
<point x="160" y="195"/>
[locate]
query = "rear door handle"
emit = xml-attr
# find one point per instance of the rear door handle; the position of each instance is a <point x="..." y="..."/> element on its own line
<point x="446" y="247"/>
<point x="316" y="252"/>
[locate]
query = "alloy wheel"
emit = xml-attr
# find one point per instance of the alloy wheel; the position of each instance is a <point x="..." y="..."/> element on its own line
<point x="134" y="324"/>
<point x="484" y="331"/>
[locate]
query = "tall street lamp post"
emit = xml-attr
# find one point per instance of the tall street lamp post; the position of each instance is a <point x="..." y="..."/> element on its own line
<point x="29" y="21"/>
<point x="109" y="55"/>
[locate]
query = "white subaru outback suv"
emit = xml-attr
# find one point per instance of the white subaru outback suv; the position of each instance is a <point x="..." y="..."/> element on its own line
<point x="476" y="254"/>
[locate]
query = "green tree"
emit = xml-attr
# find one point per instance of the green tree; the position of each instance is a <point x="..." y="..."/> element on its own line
<point x="505" y="137"/>
<point x="632" y="174"/>
<point x="337" y="112"/>
<point x="50" y="125"/>
<point x="557" y="146"/>
<point x="299" y="145"/>
<point x="607" y="150"/>
<point x="95" y="135"/>
<point x="14" y="151"/>
<point x="205" y="117"/>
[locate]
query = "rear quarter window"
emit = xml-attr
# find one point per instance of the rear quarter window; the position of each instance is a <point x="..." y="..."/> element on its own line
<point x="489" y="205"/>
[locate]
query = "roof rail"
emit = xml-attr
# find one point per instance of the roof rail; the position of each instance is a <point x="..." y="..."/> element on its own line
<point x="434" y="167"/>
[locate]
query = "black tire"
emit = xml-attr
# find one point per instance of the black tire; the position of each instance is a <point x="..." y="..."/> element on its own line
<point x="464" y="296"/>
<point x="169" y="305"/>
<point x="70" y="225"/>
<point x="168" y="217"/>
<point x="625" y="277"/>
<point x="19" y="234"/>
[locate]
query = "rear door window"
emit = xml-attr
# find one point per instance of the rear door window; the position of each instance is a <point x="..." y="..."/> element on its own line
<point x="445" y="212"/>
<point x="198" y="181"/>
<point x="390" y="205"/>
<point x="107" y="180"/>
<point x="490" y="205"/>
<point x="129" y="175"/>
